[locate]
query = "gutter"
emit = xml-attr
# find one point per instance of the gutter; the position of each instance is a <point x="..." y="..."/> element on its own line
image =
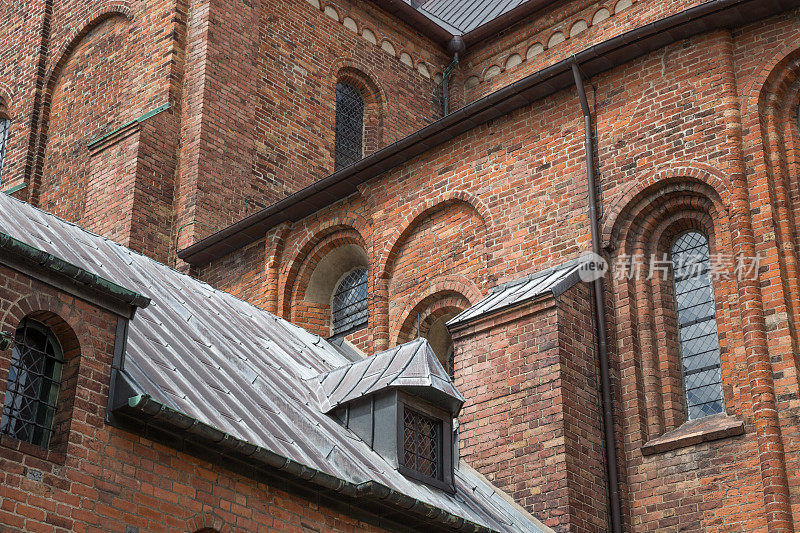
<point x="58" y="266"/>
<point x="149" y="411"/>
<point x="598" y="292"/>
<point x="597" y="59"/>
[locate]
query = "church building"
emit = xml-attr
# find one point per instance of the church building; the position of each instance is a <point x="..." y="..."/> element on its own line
<point x="400" y="265"/>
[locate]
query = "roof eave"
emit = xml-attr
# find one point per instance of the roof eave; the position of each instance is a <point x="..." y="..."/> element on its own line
<point x="594" y="60"/>
<point x="144" y="408"/>
<point x="17" y="249"/>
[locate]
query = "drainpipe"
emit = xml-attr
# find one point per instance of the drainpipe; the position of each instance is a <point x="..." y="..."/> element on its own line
<point x="455" y="47"/>
<point x="615" y="510"/>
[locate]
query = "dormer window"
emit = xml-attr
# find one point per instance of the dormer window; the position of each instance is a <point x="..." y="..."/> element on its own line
<point x="422" y="443"/>
<point x="403" y="404"/>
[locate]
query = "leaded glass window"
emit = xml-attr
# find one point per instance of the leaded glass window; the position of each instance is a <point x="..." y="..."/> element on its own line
<point x="350" y="306"/>
<point x="33" y="382"/>
<point x="5" y="128"/>
<point x="349" y="126"/>
<point x="422" y="443"/>
<point x="697" y="325"/>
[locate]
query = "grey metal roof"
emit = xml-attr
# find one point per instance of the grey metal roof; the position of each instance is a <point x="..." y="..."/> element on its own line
<point x="553" y="281"/>
<point x="462" y="16"/>
<point x="237" y="368"/>
<point x="409" y="365"/>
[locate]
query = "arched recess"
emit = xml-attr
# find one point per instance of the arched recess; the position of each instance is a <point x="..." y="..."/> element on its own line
<point x="427" y="316"/>
<point x="315" y="274"/>
<point x="76" y="342"/>
<point x="643" y="297"/>
<point x="359" y="76"/>
<point x="70" y="105"/>
<point x="772" y="107"/>
<point x="208" y="522"/>
<point x="710" y="177"/>
<point x="424" y="209"/>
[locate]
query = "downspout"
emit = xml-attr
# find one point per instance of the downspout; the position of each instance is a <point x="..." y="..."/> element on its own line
<point x="615" y="510"/>
<point x="455" y="47"/>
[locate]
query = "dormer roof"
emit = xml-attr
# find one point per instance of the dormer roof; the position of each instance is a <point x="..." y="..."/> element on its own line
<point x="412" y="367"/>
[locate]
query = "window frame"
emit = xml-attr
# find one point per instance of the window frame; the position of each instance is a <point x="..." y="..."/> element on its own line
<point x="678" y="327"/>
<point x="445" y="444"/>
<point x="5" y="135"/>
<point x="357" y="326"/>
<point x="341" y="161"/>
<point x="55" y="377"/>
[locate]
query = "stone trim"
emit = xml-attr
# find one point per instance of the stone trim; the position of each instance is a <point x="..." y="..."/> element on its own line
<point x="695" y="432"/>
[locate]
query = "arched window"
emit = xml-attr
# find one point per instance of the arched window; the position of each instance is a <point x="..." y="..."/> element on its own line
<point x="697" y="325"/>
<point x="349" y="146"/>
<point x="33" y="382"/>
<point x="350" y="306"/>
<point x="5" y="128"/>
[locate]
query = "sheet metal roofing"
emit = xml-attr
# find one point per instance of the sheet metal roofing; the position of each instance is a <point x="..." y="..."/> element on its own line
<point x="462" y="16"/>
<point x="240" y="369"/>
<point x="552" y="281"/>
<point x="410" y="365"/>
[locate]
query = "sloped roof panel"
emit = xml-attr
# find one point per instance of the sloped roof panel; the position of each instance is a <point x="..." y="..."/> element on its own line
<point x="239" y="369"/>
<point x="409" y="365"/>
<point x="553" y="281"/>
<point x="465" y="15"/>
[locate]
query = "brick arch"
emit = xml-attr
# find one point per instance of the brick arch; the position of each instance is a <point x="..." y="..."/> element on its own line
<point x="362" y="76"/>
<point x="351" y="230"/>
<point x="395" y="242"/>
<point x="106" y="10"/>
<point x="772" y="72"/>
<point x="439" y="290"/>
<point x="98" y="14"/>
<point x="6" y="102"/>
<point x="696" y="176"/>
<point x="38" y="304"/>
<point x="208" y="522"/>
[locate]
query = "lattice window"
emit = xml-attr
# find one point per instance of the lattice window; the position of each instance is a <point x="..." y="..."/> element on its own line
<point x="5" y="128"/>
<point x="350" y="307"/>
<point x="349" y="146"/>
<point x="422" y="444"/>
<point x="33" y="383"/>
<point x="697" y="325"/>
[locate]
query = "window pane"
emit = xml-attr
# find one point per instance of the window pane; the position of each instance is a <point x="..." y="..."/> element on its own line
<point x="349" y="126"/>
<point x="33" y="382"/>
<point x="350" y="307"/>
<point x="422" y="443"/>
<point x="5" y="128"/>
<point x="697" y="324"/>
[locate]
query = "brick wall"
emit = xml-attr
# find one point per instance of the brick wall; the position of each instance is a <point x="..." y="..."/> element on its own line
<point x="531" y="422"/>
<point x="95" y="477"/>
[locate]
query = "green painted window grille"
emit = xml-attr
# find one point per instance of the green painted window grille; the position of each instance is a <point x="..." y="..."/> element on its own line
<point x="33" y="383"/>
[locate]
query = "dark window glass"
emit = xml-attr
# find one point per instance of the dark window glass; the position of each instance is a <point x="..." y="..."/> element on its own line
<point x="422" y="443"/>
<point x="350" y="308"/>
<point x="697" y="325"/>
<point x="349" y="126"/>
<point x="33" y="382"/>
<point x="5" y="127"/>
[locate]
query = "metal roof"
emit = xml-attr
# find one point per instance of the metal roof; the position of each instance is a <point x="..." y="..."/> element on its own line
<point x="221" y="361"/>
<point x="462" y="16"/>
<point x="410" y="366"/>
<point x="553" y="281"/>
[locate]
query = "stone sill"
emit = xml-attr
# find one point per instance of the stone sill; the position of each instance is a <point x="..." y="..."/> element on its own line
<point x="695" y="432"/>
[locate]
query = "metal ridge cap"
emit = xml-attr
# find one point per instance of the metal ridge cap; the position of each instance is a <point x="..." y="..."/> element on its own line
<point x="367" y="165"/>
<point x="77" y="274"/>
<point x="153" y="410"/>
